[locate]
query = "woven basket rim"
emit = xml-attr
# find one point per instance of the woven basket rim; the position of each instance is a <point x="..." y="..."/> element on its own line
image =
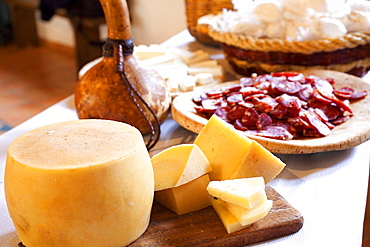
<point x="248" y="42"/>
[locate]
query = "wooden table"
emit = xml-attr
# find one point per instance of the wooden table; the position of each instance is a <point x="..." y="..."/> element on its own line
<point x="329" y="188"/>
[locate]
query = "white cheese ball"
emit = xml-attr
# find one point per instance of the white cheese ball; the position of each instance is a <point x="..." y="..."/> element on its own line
<point x="268" y="12"/>
<point x="250" y="26"/>
<point x="357" y="21"/>
<point x="329" y="28"/>
<point x="297" y="7"/>
<point x="318" y="5"/>
<point x="360" y="5"/>
<point x="275" y="30"/>
<point x="297" y="32"/>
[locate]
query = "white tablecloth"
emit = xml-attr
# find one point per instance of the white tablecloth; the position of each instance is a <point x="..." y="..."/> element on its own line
<point x="329" y="188"/>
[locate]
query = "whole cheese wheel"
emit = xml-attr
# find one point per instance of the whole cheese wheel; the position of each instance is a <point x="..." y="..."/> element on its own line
<point x="79" y="183"/>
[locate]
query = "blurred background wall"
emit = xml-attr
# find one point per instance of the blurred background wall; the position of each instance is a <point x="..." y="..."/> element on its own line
<point x="153" y="21"/>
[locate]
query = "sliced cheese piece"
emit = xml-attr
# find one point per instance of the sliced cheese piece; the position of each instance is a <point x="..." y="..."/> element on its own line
<point x="230" y="223"/>
<point x="178" y="165"/>
<point x="245" y="192"/>
<point x="247" y="217"/>
<point x="206" y="63"/>
<point x="216" y="71"/>
<point x="143" y="52"/>
<point x="162" y="59"/>
<point x="68" y="182"/>
<point x="186" y="198"/>
<point x="233" y="155"/>
<point x="190" y="57"/>
<point x="171" y="70"/>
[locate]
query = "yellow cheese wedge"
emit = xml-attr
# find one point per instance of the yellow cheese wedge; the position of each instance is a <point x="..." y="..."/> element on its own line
<point x="245" y="192"/>
<point x="233" y="155"/>
<point x="261" y="162"/>
<point x="230" y="223"/>
<point x="247" y="217"/>
<point x="79" y="183"/>
<point x="186" y="198"/>
<point x="178" y="165"/>
<point x="224" y="147"/>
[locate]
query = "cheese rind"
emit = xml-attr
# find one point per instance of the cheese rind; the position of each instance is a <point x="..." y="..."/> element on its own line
<point x="178" y="165"/>
<point x="79" y="183"/>
<point x="186" y="198"/>
<point x="233" y="155"/>
<point x="245" y="192"/>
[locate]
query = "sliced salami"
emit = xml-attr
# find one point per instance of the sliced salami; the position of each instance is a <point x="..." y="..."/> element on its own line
<point x="282" y="105"/>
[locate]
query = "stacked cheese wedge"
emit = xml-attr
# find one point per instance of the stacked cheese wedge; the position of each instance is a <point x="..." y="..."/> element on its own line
<point x="222" y="163"/>
<point x="239" y="202"/>
<point x="181" y="178"/>
<point x="183" y="69"/>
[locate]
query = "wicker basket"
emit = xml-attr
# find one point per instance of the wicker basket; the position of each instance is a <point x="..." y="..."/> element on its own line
<point x="198" y="8"/>
<point x="247" y="55"/>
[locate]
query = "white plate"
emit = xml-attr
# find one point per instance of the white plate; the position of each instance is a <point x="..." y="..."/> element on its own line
<point x="347" y="135"/>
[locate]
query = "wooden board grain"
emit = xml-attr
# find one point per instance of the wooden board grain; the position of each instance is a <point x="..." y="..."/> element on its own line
<point x="347" y="135"/>
<point x="204" y="228"/>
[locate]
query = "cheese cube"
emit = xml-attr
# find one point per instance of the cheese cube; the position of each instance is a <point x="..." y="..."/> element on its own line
<point x="186" y="198"/>
<point x="233" y="155"/>
<point x="174" y="87"/>
<point x="178" y="165"/>
<point x="247" y="217"/>
<point x="204" y="78"/>
<point x="187" y="83"/>
<point x="245" y="192"/>
<point x="230" y="223"/>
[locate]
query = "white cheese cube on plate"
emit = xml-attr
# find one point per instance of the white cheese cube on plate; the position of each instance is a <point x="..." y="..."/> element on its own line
<point x="204" y="78"/>
<point x="187" y="83"/>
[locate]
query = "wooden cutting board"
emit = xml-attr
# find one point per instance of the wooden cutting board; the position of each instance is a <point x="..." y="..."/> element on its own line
<point x="204" y="228"/>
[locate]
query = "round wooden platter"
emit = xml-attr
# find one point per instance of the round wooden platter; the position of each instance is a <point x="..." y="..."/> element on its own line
<point x="347" y="135"/>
